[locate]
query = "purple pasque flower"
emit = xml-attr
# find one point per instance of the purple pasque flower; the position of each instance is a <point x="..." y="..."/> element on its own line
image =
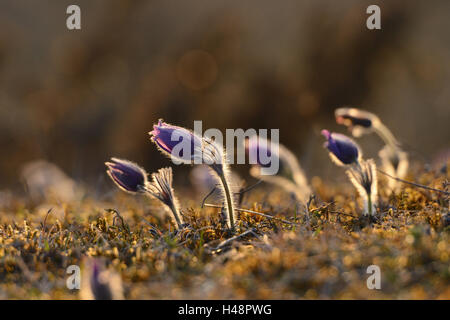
<point x="364" y="178"/>
<point x="343" y="149"/>
<point x="127" y="175"/>
<point x="100" y="283"/>
<point x="167" y="137"/>
<point x="194" y="149"/>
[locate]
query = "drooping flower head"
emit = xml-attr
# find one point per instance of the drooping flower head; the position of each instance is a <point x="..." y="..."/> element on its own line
<point x="168" y="138"/>
<point x="395" y="163"/>
<point x="184" y="146"/>
<point x="127" y="175"/>
<point x="360" y="122"/>
<point x="357" y="121"/>
<point x="343" y="150"/>
<point x="362" y="173"/>
<point x="130" y="177"/>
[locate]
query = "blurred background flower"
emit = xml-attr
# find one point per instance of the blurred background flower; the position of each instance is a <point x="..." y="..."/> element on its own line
<point x="127" y="175"/>
<point x="74" y="98"/>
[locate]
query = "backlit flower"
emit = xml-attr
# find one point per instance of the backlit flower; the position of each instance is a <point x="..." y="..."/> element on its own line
<point x="127" y="175"/>
<point x="343" y="150"/>
<point x="179" y="143"/>
<point x="184" y="146"/>
<point x="364" y="178"/>
<point x="394" y="159"/>
<point x="357" y="121"/>
<point x="99" y="283"/>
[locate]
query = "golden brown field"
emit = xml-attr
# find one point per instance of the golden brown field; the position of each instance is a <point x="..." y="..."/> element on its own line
<point x="321" y="254"/>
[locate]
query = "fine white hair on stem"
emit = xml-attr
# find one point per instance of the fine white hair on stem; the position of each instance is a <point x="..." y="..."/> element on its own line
<point x="227" y="189"/>
<point x="363" y="176"/>
<point x="394" y="160"/>
<point x="215" y="156"/>
<point x="352" y="117"/>
<point x="395" y="163"/>
<point x="161" y="188"/>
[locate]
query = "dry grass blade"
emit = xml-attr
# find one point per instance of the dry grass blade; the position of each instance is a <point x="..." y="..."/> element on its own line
<point x="230" y="240"/>
<point x="253" y="212"/>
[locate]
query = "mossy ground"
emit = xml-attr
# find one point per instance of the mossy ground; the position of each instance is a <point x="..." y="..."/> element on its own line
<point x="325" y="254"/>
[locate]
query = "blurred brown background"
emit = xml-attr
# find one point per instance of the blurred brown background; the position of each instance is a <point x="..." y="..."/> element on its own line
<point x="75" y="98"/>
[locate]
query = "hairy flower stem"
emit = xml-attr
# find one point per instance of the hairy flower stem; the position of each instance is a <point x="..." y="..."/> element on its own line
<point x="364" y="180"/>
<point x="358" y="166"/>
<point x="229" y="199"/>
<point x="369" y="204"/>
<point x="176" y="215"/>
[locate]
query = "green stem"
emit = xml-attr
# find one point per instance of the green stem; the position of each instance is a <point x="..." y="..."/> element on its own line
<point x="229" y="199"/>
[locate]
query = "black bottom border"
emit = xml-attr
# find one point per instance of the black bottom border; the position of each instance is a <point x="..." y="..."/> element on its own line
<point x="226" y="309"/>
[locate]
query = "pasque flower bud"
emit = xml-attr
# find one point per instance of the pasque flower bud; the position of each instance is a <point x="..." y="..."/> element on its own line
<point x="343" y="150"/>
<point x="127" y="175"/>
<point x="362" y="173"/>
<point x="169" y="138"/>
<point x="182" y="145"/>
